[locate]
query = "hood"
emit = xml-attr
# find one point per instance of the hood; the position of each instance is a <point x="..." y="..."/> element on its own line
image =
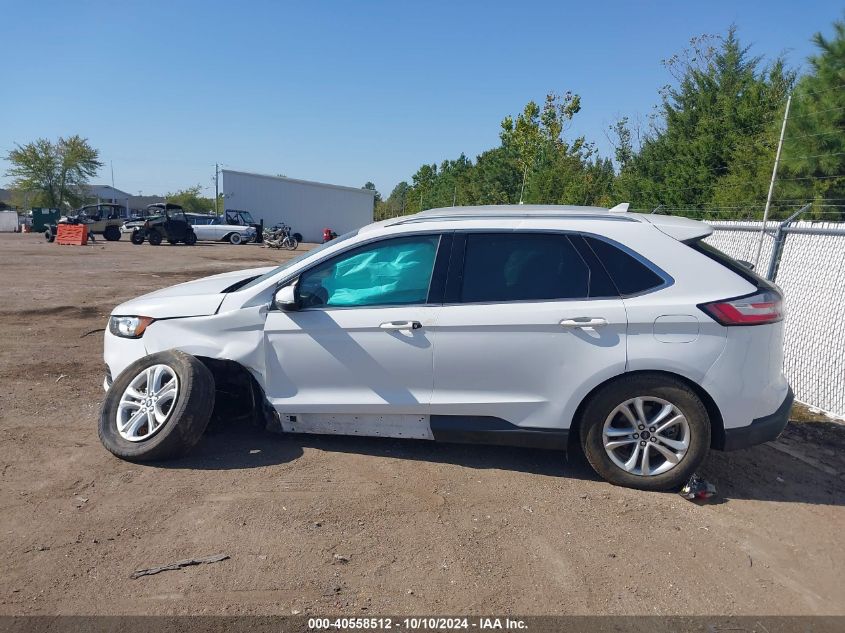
<point x="200" y="297"/>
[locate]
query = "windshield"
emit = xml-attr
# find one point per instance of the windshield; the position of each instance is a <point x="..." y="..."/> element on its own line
<point x="297" y="259"/>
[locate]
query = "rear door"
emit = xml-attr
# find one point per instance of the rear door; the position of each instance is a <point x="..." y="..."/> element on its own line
<point x="530" y="324"/>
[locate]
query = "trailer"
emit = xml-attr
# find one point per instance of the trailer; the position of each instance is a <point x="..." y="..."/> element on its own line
<point x="307" y="207"/>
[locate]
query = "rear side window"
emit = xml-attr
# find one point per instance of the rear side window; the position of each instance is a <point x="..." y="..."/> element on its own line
<point x="522" y="267"/>
<point x="629" y="274"/>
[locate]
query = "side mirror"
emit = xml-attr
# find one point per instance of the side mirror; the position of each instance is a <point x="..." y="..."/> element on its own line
<point x="286" y="298"/>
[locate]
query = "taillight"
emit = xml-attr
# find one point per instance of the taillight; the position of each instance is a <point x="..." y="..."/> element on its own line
<point x="763" y="307"/>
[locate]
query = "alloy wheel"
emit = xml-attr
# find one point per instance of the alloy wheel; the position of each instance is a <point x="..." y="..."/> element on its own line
<point x="146" y="403"/>
<point x="646" y="436"/>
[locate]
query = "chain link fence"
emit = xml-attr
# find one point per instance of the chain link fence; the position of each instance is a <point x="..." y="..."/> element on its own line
<point x="810" y="268"/>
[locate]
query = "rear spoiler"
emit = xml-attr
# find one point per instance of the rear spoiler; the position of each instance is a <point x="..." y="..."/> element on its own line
<point x="682" y="229"/>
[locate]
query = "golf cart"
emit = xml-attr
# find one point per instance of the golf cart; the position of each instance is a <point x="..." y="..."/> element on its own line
<point x="165" y="221"/>
<point x="104" y="219"/>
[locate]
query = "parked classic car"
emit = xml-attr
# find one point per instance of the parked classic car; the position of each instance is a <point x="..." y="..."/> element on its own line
<point x="215" y="229"/>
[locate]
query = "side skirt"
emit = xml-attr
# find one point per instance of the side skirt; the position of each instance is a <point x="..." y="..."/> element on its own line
<point x="459" y="429"/>
<point x="471" y="429"/>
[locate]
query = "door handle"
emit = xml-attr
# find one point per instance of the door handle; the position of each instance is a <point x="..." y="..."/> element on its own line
<point x="584" y="322"/>
<point x="401" y="325"/>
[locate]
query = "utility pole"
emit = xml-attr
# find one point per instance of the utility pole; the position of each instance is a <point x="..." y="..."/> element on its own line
<point x="772" y="183"/>
<point x="217" y="189"/>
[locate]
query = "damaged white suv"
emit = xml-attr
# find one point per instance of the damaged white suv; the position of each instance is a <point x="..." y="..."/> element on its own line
<point x="549" y="327"/>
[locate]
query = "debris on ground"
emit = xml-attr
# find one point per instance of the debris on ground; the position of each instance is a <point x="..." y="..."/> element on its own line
<point x="339" y="558"/>
<point x="178" y="565"/>
<point x="697" y="489"/>
<point x="60" y="377"/>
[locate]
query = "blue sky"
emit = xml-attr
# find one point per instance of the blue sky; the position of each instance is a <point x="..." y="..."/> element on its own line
<point x="342" y="92"/>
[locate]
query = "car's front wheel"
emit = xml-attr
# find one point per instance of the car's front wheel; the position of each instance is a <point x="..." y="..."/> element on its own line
<point x="190" y="238"/>
<point x="137" y="237"/>
<point x="645" y="431"/>
<point x="158" y="408"/>
<point x="49" y="235"/>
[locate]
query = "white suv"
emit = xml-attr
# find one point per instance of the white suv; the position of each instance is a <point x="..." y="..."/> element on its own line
<point x="550" y="327"/>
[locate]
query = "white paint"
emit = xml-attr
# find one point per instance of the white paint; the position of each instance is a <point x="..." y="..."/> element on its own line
<point x="399" y="426"/>
<point x="307" y="207"/>
<point x="510" y="360"/>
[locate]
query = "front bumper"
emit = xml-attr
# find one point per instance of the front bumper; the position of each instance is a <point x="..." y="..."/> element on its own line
<point x="760" y="430"/>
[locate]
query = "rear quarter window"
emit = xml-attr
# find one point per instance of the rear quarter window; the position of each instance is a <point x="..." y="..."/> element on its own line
<point x="630" y="275"/>
<point x="711" y="252"/>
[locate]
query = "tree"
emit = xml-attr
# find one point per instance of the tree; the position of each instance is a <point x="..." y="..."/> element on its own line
<point x="376" y="195"/>
<point x="814" y="150"/>
<point x="191" y="200"/>
<point x="58" y="171"/>
<point x="712" y="143"/>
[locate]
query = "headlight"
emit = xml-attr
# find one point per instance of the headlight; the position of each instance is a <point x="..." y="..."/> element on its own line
<point x="129" y="326"/>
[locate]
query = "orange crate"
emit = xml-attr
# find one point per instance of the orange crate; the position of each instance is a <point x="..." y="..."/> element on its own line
<point x="72" y="234"/>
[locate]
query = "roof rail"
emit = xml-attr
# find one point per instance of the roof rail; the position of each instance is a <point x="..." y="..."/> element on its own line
<point x="515" y="211"/>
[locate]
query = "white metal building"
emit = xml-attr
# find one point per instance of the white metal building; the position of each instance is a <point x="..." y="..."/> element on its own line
<point x="8" y="221"/>
<point x="308" y="207"/>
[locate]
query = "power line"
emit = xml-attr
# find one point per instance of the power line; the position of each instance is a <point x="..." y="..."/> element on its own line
<point x="815" y="177"/>
<point x="791" y="138"/>
<point x="801" y="93"/>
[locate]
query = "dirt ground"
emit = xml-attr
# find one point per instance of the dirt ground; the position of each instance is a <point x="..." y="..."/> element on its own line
<point x="361" y="526"/>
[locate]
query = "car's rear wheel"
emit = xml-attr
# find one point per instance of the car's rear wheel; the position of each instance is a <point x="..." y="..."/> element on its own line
<point x="154" y="238"/>
<point x="137" y="237"/>
<point x="49" y="236"/>
<point x="235" y="238"/>
<point x="298" y="237"/>
<point x="645" y="431"/>
<point x="158" y="408"/>
<point x="112" y="233"/>
<point x="191" y="238"/>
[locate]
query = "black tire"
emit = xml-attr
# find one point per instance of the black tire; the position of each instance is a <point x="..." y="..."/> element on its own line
<point x="137" y="237"/>
<point x="191" y="238"/>
<point x="155" y="238"/>
<point x="172" y="242"/>
<point x="49" y="236"/>
<point x="235" y="238"/>
<point x="672" y="390"/>
<point x="112" y="233"/>
<point x="298" y="237"/>
<point x="186" y="422"/>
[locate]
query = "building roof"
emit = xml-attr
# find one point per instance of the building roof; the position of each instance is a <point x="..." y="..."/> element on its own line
<point x="296" y="180"/>
<point x="105" y="192"/>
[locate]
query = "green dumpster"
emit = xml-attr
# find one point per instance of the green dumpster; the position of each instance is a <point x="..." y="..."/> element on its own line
<point x="42" y="218"/>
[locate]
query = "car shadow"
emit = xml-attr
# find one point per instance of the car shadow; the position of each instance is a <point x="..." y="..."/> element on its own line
<point x="761" y="473"/>
<point x="242" y="446"/>
<point x="764" y="473"/>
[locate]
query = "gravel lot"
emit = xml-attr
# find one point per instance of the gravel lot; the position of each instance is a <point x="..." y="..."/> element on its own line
<point x="361" y="526"/>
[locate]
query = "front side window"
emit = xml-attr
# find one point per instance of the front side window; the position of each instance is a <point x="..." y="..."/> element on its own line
<point x="390" y="272"/>
<point x="522" y="267"/>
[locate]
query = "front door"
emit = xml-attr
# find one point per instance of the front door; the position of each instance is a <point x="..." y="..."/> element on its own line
<point x="356" y="358"/>
<point x="529" y="325"/>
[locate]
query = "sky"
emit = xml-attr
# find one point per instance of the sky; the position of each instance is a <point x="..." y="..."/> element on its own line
<point x="342" y="92"/>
